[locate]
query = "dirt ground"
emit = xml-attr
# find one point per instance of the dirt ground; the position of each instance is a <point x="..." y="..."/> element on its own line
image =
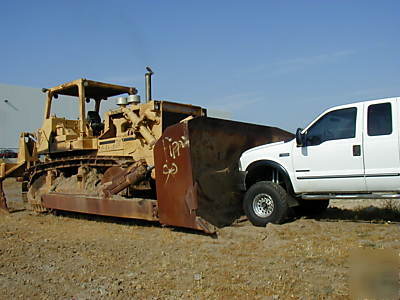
<point x="72" y="256"/>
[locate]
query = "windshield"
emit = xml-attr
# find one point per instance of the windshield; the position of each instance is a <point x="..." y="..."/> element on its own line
<point x="335" y="125"/>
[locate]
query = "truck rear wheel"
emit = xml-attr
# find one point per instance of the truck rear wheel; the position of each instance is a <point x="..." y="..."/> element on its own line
<point x="266" y="202"/>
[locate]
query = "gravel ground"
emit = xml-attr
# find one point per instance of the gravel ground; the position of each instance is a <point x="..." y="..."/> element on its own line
<point x="73" y="256"/>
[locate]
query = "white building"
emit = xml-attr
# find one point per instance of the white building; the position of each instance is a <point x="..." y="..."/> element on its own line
<point x="21" y="109"/>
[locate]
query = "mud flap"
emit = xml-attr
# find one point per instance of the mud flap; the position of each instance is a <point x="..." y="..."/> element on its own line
<point x="197" y="174"/>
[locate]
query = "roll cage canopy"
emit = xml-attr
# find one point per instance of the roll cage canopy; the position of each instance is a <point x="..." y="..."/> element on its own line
<point x="93" y="89"/>
<point x="85" y="89"/>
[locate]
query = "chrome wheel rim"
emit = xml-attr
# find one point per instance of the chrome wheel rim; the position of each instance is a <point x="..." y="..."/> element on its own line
<point x="263" y="205"/>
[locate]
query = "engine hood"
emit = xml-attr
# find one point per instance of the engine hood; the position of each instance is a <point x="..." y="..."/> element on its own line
<point x="262" y="147"/>
<point x="274" y="151"/>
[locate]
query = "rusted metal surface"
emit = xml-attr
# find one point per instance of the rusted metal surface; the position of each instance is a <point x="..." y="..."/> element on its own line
<point x="216" y="146"/>
<point x="111" y="173"/>
<point x="145" y="209"/>
<point x="131" y="175"/>
<point x="197" y="170"/>
<point x="176" y="193"/>
<point x="3" y="201"/>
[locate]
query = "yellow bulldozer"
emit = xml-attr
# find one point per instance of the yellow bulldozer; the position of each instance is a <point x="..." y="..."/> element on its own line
<point x="157" y="160"/>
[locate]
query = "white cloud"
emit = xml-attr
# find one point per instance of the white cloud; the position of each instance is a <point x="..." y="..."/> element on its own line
<point x="299" y="63"/>
<point x="317" y="59"/>
<point x="236" y="102"/>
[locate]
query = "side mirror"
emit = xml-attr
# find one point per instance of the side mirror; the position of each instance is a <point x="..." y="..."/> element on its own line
<point x="299" y="137"/>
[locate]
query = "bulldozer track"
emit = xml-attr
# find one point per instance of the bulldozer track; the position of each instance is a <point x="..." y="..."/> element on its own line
<point x="76" y="161"/>
<point x="71" y="162"/>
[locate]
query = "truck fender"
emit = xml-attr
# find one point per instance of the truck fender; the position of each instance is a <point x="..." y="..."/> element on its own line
<point x="256" y="172"/>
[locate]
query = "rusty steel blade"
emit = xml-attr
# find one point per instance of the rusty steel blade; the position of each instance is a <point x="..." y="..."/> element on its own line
<point x="176" y="193"/>
<point x="197" y="174"/>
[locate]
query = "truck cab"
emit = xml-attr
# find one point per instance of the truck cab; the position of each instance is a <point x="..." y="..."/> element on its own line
<point x="348" y="152"/>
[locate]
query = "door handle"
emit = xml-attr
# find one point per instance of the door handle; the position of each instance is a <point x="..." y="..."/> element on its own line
<point x="356" y="150"/>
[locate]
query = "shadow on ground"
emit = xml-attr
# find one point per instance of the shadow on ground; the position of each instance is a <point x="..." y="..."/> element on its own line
<point x="126" y="222"/>
<point x="367" y="214"/>
<point x="106" y="219"/>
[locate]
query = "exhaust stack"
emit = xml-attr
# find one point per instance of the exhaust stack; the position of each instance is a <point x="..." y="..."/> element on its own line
<point x="148" y="83"/>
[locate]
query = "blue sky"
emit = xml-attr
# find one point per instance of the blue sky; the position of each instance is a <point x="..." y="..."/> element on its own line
<point x="277" y="63"/>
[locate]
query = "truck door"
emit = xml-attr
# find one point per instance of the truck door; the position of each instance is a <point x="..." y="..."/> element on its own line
<point x="332" y="160"/>
<point x="381" y="145"/>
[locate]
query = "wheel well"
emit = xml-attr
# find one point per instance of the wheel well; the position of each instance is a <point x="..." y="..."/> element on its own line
<point x="267" y="172"/>
<point x="260" y="173"/>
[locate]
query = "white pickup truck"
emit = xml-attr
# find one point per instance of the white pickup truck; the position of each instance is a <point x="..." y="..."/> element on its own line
<point x="348" y="152"/>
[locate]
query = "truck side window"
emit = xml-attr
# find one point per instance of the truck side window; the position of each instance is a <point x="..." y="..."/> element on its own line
<point x="335" y="125"/>
<point x="380" y="119"/>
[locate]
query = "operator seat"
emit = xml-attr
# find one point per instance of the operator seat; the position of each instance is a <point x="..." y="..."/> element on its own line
<point x="95" y="123"/>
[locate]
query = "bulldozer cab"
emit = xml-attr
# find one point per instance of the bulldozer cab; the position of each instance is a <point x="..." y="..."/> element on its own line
<point x="61" y="134"/>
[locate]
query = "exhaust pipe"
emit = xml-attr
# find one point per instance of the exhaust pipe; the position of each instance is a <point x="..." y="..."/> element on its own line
<point x="148" y="83"/>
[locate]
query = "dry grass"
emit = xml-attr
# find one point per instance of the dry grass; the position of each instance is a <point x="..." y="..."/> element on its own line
<point x="90" y="257"/>
<point x="387" y="210"/>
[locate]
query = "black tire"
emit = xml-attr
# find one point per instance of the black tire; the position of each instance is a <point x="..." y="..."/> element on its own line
<point x="266" y="202"/>
<point x="311" y="207"/>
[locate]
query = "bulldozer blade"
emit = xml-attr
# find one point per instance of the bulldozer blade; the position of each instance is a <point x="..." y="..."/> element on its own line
<point x="176" y="194"/>
<point x="197" y="175"/>
<point x="3" y="200"/>
<point x="145" y="209"/>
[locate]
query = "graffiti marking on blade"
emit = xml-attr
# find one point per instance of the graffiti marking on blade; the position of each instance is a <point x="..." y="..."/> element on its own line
<point x="175" y="146"/>
<point x="170" y="170"/>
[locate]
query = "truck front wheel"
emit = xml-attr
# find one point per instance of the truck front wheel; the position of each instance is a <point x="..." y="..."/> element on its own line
<point x="266" y="202"/>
